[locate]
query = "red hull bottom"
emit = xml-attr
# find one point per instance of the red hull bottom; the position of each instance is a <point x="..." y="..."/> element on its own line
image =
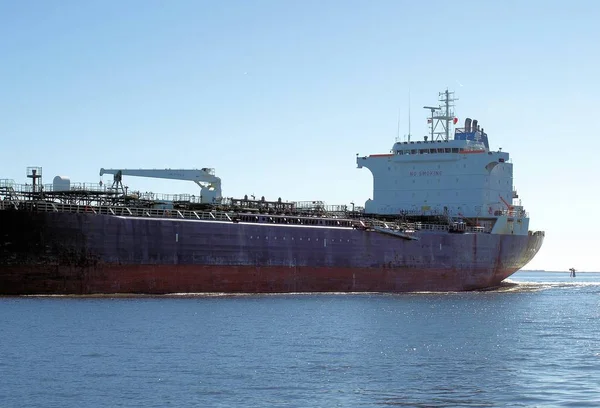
<point x="166" y="279"/>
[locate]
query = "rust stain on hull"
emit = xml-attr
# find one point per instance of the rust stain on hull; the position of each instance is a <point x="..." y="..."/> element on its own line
<point x="165" y="279"/>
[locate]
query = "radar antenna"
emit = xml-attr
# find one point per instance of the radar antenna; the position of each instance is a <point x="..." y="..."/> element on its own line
<point x="442" y="116"/>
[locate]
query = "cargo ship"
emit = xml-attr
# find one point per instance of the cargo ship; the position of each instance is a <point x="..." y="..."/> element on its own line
<point x="443" y="217"/>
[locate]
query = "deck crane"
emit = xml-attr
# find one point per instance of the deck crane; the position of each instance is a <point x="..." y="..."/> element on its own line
<point x="210" y="185"/>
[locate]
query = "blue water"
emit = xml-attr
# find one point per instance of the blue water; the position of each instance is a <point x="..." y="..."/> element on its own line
<point x="534" y="342"/>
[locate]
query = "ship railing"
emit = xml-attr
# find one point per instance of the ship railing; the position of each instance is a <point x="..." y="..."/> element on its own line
<point x="414" y="226"/>
<point x="7" y="183"/>
<point x="320" y="205"/>
<point x="82" y="187"/>
<point x="168" y="198"/>
<point x="99" y="188"/>
<point x="9" y="204"/>
<point x="7" y="193"/>
<point x="47" y="206"/>
<point x="310" y="204"/>
<point x="51" y="188"/>
<point x="391" y="225"/>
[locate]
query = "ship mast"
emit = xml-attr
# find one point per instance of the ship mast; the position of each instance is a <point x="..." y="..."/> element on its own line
<point x="441" y="116"/>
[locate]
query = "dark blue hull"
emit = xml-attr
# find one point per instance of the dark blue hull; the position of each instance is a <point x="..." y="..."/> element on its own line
<point x="74" y="253"/>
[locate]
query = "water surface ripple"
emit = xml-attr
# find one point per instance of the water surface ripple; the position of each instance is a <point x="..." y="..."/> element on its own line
<point x="533" y="342"/>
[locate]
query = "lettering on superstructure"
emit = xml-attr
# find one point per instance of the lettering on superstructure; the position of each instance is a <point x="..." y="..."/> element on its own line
<point x="425" y="173"/>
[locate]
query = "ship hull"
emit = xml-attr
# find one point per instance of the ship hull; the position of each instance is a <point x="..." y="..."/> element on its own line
<point x="70" y="253"/>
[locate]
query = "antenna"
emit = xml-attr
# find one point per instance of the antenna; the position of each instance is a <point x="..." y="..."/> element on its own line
<point x="409" y="114"/>
<point x="398" y="130"/>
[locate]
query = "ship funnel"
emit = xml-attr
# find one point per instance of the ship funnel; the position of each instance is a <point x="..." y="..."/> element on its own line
<point x="467" y="124"/>
<point x="474" y="126"/>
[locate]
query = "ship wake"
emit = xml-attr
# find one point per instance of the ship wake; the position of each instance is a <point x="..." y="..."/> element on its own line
<point x="526" y="286"/>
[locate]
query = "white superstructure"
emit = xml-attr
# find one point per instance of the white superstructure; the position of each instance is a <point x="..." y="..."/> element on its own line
<point x="461" y="177"/>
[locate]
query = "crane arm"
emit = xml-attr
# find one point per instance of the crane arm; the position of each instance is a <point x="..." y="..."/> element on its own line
<point x="204" y="175"/>
<point x="210" y="185"/>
